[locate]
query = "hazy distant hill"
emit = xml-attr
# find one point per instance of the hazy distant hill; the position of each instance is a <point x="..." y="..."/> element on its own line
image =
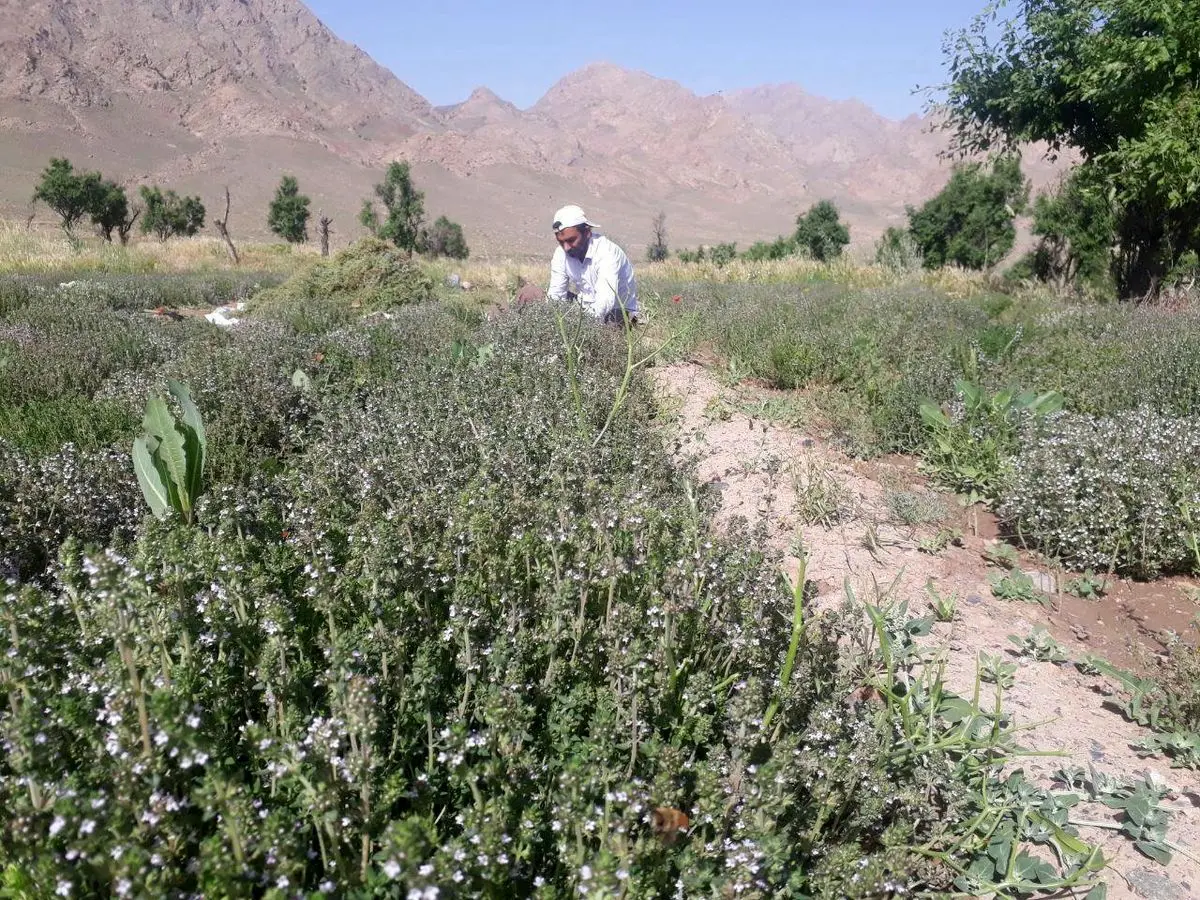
<point x="203" y="93"/>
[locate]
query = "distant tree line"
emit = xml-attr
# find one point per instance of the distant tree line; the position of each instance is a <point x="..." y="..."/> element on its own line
<point x="76" y="195"/>
<point x="820" y="234"/>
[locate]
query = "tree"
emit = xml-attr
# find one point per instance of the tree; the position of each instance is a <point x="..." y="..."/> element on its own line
<point x="780" y="248"/>
<point x="71" y="194"/>
<point x="126" y="227"/>
<point x="110" y="210"/>
<point x="821" y="231"/>
<point x="658" y="250"/>
<point x="723" y="254"/>
<point x="288" y="213"/>
<point x="404" y="208"/>
<point x="970" y="221"/>
<point x="1077" y="231"/>
<point x="168" y="215"/>
<point x="324" y="226"/>
<point x="1113" y="80"/>
<point x="444" y="238"/>
<point x="223" y="230"/>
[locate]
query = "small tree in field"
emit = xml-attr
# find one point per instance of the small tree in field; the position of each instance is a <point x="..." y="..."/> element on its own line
<point x="168" y="214"/>
<point x="820" y="231"/>
<point x="110" y="210"/>
<point x="444" y="238"/>
<point x="970" y="221"/>
<point x="658" y="250"/>
<point x="1113" y="80"/>
<point x="71" y="194"/>
<point x="403" y="205"/>
<point x="288" y="213"/>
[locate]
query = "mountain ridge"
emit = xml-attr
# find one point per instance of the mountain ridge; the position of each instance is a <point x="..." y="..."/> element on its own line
<point x="206" y="93"/>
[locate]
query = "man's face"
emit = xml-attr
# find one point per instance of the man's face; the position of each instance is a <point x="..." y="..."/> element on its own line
<point x="574" y="240"/>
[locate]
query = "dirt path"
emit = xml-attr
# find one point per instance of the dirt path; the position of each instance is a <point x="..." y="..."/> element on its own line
<point x="756" y="466"/>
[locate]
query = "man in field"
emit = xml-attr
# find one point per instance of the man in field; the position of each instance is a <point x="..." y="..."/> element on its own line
<point x="590" y="269"/>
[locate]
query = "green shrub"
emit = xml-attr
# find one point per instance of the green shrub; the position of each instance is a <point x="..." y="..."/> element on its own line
<point x="723" y="254"/>
<point x="370" y="275"/>
<point x="820" y="231"/>
<point x="970" y="221"/>
<point x="1121" y="492"/>
<point x="169" y="215"/>
<point x="475" y="637"/>
<point x="42" y="426"/>
<point x="970" y="445"/>
<point x="88" y="494"/>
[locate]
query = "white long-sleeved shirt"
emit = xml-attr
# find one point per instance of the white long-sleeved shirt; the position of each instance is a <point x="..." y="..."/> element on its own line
<point x="603" y="278"/>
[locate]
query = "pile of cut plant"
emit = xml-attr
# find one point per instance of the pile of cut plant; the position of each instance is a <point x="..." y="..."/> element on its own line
<point x="420" y="606"/>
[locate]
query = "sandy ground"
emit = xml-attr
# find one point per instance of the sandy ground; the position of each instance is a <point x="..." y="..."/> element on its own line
<point x="754" y="464"/>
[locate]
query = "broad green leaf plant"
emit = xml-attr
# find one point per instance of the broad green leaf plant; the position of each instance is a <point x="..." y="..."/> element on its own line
<point x="168" y="458"/>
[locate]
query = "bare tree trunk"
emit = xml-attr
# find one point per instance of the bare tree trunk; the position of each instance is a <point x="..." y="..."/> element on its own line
<point x="323" y="224"/>
<point x="223" y="229"/>
<point x="127" y="226"/>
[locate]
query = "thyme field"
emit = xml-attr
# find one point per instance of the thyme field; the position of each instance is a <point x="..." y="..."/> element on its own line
<point x="448" y="614"/>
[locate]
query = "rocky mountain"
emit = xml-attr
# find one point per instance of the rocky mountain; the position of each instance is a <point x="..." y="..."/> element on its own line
<point x="199" y="94"/>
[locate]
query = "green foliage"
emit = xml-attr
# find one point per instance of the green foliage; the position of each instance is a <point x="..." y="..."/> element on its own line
<point x="897" y="250"/>
<point x="657" y="250"/>
<point x="1001" y="554"/>
<point x="1088" y="586"/>
<point x="691" y="256"/>
<point x="434" y="634"/>
<point x="1077" y="231"/>
<point x="169" y="457"/>
<point x="444" y="238"/>
<point x="1169" y="703"/>
<point x="915" y="507"/>
<point x="722" y="254"/>
<point x="970" y="445"/>
<point x="1016" y="586"/>
<point x="820" y="498"/>
<point x="1109" y="493"/>
<point x="169" y="215"/>
<point x="944" y="606"/>
<point x="1142" y="817"/>
<point x="1113" y="80"/>
<point x="288" y="213"/>
<point x="371" y="275"/>
<point x="994" y="670"/>
<point x="970" y="221"/>
<point x="403" y="209"/>
<point x="821" y="232"/>
<point x="110" y="211"/>
<point x="780" y="248"/>
<point x="42" y="426"/>
<point x="72" y="195"/>
<point x="1040" y="645"/>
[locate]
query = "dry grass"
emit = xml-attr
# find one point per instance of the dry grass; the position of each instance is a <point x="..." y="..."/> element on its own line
<point x="34" y="251"/>
<point x="953" y="281"/>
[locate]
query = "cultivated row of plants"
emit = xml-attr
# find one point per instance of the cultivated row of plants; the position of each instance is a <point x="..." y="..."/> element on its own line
<point x="412" y="604"/>
<point x="1079" y="422"/>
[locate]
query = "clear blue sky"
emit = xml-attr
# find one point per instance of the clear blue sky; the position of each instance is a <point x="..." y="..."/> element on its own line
<point x="875" y="50"/>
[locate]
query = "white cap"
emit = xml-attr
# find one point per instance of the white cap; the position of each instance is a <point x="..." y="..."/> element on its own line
<point x="570" y="216"/>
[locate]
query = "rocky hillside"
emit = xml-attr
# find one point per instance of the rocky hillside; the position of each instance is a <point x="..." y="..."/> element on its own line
<point x="203" y="93"/>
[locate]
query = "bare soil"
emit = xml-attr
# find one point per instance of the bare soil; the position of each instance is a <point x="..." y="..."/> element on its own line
<point x="755" y="465"/>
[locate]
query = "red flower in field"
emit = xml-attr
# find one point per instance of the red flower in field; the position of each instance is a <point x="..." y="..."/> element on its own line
<point x="677" y="298"/>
